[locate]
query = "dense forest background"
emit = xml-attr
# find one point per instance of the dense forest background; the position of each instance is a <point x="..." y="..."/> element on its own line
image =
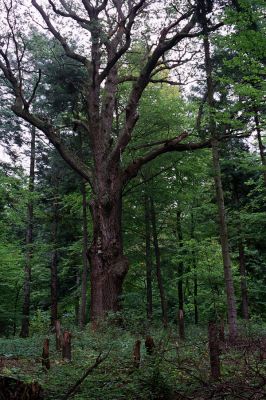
<point x="132" y="201"/>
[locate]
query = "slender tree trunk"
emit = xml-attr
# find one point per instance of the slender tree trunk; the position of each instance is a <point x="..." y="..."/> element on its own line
<point x="18" y="288"/>
<point x="54" y="262"/>
<point x="231" y="304"/>
<point x="195" y="275"/>
<point x="29" y="244"/>
<point x="261" y="146"/>
<point x="84" y="278"/>
<point x="241" y="259"/>
<point x="180" y="271"/>
<point x="77" y="299"/>
<point x="214" y="350"/>
<point x="243" y="279"/>
<point x="230" y="293"/>
<point x="148" y="255"/>
<point x="108" y="263"/>
<point x="158" y="264"/>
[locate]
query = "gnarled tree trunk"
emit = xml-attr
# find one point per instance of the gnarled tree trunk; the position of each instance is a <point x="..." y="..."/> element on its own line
<point x="108" y="263"/>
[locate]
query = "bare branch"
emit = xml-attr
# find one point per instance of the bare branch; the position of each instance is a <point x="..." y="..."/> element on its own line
<point x="35" y="88"/>
<point x="53" y="135"/>
<point x="142" y="82"/>
<point x="83" y="22"/>
<point x="125" y="47"/>
<point x="70" y="53"/>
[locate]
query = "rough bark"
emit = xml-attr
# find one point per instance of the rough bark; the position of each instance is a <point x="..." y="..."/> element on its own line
<point x="29" y="244"/>
<point x="180" y="271"/>
<point x="230" y="294"/>
<point x="66" y="346"/>
<point x="84" y="277"/>
<point x="148" y="257"/>
<point x="158" y="264"/>
<point x="108" y="263"/>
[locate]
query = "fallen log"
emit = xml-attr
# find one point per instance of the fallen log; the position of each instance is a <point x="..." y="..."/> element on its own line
<point x="14" y="389"/>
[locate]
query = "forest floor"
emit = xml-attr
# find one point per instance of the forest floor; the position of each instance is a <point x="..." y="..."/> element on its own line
<point x="175" y="371"/>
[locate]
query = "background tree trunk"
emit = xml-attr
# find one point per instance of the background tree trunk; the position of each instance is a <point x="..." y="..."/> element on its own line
<point x="148" y="256"/>
<point x="231" y="304"/>
<point x="180" y="271"/>
<point x="158" y="264"/>
<point x="230" y="292"/>
<point x="195" y="275"/>
<point x="241" y="258"/>
<point x="54" y="261"/>
<point x="243" y="280"/>
<point x="29" y="243"/>
<point x="214" y="350"/>
<point x="84" y="278"/>
<point x="261" y="146"/>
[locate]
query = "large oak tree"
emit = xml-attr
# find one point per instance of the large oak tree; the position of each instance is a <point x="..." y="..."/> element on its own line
<point x="108" y="31"/>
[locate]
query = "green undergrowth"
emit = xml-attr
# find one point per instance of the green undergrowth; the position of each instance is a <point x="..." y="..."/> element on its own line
<point x="173" y="369"/>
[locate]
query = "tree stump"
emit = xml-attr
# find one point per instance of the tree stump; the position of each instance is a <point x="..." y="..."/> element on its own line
<point x="181" y="324"/>
<point x="136" y="353"/>
<point x="66" y="349"/>
<point x="58" y="335"/>
<point x="150" y="345"/>
<point x="214" y="350"/>
<point x="45" y="354"/>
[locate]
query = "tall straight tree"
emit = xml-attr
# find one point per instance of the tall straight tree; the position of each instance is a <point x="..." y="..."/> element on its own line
<point x="203" y="10"/>
<point x="109" y="30"/>
<point x="54" y="257"/>
<point x="83" y="303"/>
<point x="158" y="264"/>
<point x="29" y="242"/>
<point x="148" y="256"/>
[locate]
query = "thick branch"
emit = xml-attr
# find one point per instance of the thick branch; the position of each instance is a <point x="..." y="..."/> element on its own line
<point x="71" y="159"/>
<point x="169" y="145"/>
<point x="142" y="81"/>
